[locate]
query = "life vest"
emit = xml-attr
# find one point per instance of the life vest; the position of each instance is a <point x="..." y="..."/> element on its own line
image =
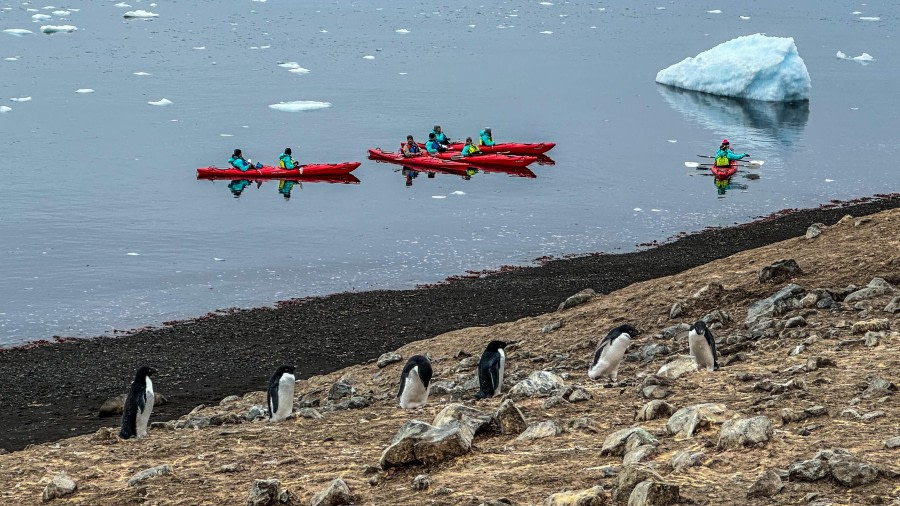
<point x="433" y="145"/>
<point x="470" y="150"/>
<point x="412" y="148"/>
<point x="723" y="161"/>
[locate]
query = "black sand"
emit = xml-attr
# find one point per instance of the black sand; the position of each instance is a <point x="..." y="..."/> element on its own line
<point x="53" y="391"/>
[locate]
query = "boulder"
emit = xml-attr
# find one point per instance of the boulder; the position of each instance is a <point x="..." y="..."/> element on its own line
<point x="579" y="298"/>
<point x="459" y="414"/>
<point x="892" y="443"/>
<point x="652" y="493"/>
<point x="876" y="288"/>
<point x="61" y="485"/>
<point x="685" y="459"/>
<point x="686" y="420"/>
<point x="779" y="270"/>
<point x="336" y="494"/>
<point x="114" y="406"/>
<point x="677" y="368"/>
<point x="623" y="440"/>
<point x="402" y="448"/>
<point x="629" y="477"/>
<point x="538" y="384"/>
<point x="774" y="305"/>
<point x="875" y="325"/>
<point x="654" y="409"/>
<point x="550" y="327"/>
<point x="547" y="428"/>
<point x="388" y="358"/>
<point x="577" y="394"/>
<point x="442" y="443"/>
<point x="638" y="454"/>
<point x="814" y="230"/>
<point x="808" y="470"/>
<point x="310" y="413"/>
<point x="510" y="418"/>
<point x="342" y="388"/>
<point x="264" y="493"/>
<point x="146" y="474"/>
<point x="796" y="321"/>
<point x="585" y="424"/>
<point x="893" y="306"/>
<point x="745" y="432"/>
<point x="768" y="484"/>
<point x="851" y="473"/>
<point x="594" y="496"/>
<point x="879" y="387"/>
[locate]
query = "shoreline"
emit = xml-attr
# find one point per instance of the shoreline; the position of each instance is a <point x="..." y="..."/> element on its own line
<point x="54" y="389"/>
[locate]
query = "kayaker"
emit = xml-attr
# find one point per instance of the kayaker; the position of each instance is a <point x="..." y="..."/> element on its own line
<point x="470" y="149"/>
<point x="486" y="139"/>
<point x="725" y="155"/>
<point x="286" y="160"/>
<point x="439" y="135"/>
<point x="237" y="161"/>
<point x="410" y="147"/>
<point x="433" y="146"/>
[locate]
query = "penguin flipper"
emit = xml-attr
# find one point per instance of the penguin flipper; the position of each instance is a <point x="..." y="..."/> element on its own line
<point x="489" y="377"/>
<point x="711" y="342"/>
<point x="273" y="397"/>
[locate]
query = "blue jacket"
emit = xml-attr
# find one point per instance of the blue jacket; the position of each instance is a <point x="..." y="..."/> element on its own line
<point x="485" y="139"/>
<point x="286" y="161"/>
<point x="440" y="137"/>
<point x="239" y="163"/>
<point x="433" y="146"/>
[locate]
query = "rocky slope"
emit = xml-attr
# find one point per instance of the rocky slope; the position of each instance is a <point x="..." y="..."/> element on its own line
<point x="803" y="410"/>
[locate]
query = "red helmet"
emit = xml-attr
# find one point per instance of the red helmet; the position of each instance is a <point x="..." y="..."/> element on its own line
<point x="724" y="141"/>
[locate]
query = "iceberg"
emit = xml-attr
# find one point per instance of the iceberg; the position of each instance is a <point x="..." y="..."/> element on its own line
<point x="864" y="58"/>
<point x="140" y="14"/>
<point x="755" y="67"/>
<point x="5" y="109"/>
<point x="300" y="105"/>
<point x="18" y="32"/>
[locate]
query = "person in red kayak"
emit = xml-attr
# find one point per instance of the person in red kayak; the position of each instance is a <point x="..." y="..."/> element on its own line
<point x="237" y="161"/>
<point x="486" y="139"/>
<point x="725" y="155"/>
<point x="440" y="136"/>
<point x="286" y="161"/>
<point x="433" y="146"/>
<point x="410" y="147"/>
<point x="470" y="149"/>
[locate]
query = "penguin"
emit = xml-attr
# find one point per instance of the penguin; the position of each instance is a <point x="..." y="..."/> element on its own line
<point x="703" y="346"/>
<point x="610" y="352"/>
<point x="415" y="382"/>
<point x="138" y="405"/>
<point x="490" y="369"/>
<point x="280" y="396"/>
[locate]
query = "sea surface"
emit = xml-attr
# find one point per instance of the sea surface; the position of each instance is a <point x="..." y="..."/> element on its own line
<point x="103" y="225"/>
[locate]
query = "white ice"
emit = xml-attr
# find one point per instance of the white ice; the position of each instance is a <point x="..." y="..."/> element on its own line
<point x="638" y="209"/>
<point x="18" y="32"/>
<point x="716" y="11"/>
<point x="133" y="254"/>
<point x="869" y="18"/>
<point x="200" y="48"/>
<point x="300" y="105"/>
<point x="141" y="73"/>
<point x="84" y="90"/>
<point x="756" y="67"/>
<point x="369" y="57"/>
<point x="438" y="196"/>
<point x="60" y="28"/>
<point x="546" y="3"/>
<point x="864" y="58"/>
<point x="402" y="31"/>
<point x="140" y="14"/>
<point x="161" y="102"/>
<point x="829" y="180"/>
<point x="5" y="109"/>
<point x="40" y="17"/>
<point x="61" y="13"/>
<point x="745" y="17"/>
<point x="299" y="70"/>
<point x="122" y="4"/>
<point x="21" y="99"/>
<point x="457" y="192"/>
<point x="673" y="141"/>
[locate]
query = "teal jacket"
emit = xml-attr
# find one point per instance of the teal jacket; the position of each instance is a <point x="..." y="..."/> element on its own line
<point x="485" y="138"/>
<point x="239" y="163"/>
<point x="470" y="150"/>
<point x="286" y="161"/>
<point x="730" y="154"/>
<point x="433" y="147"/>
<point x="440" y="137"/>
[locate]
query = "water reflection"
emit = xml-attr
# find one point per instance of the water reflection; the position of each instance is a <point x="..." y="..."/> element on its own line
<point x="754" y="123"/>
<point x="285" y="186"/>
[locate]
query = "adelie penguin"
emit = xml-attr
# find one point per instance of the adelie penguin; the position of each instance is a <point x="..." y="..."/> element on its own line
<point x="138" y="405"/>
<point x="610" y="352"/>
<point x="415" y="382"/>
<point x="280" y="396"/>
<point x="490" y="370"/>
<point x="703" y="346"/>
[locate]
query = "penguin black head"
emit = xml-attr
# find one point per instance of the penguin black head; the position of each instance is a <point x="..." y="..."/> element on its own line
<point x="143" y="372"/>
<point x="284" y="369"/>
<point x="625" y="328"/>
<point x="495" y="345"/>
<point x="699" y="327"/>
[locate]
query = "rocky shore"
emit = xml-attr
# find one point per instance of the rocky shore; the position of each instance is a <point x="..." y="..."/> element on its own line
<point x="803" y="410"/>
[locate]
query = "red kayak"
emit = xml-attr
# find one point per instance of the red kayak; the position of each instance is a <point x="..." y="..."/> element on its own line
<point x="513" y="148"/>
<point x="492" y="159"/>
<point x="268" y="172"/>
<point x="338" y="178"/>
<point x="725" y="172"/>
<point x="415" y="161"/>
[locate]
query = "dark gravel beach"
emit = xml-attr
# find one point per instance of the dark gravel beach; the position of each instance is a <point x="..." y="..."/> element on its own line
<point x="53" y="391"/>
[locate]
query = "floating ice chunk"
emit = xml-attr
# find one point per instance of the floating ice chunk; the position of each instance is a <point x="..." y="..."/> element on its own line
<point x="546" y="3"/>
<point x="402" y="73"/>
<point x="84" y="90"/>
<point x="869" y="18"/>
<point x="140" y="73"/>
<point x="48" y="29"/>
<point x="5" y="109"/>
<point x="299" y="70"/>
<point x="438" y="196"/>
<point x="133" y="254"/>
<point x="660" y="8"/>
<point x="226" y="135"/>
<point x="854" y="108"/>
<point x="21" y="99"/>
<point x="471" y="26"/>
<point x="369" y="57"/>
<point x="656" y="210"/>
<point x="323" y="31"/>
<point x="547" y="32"/>
<point x="457" y="192"/>
<point x="199" y="48"/>
<point x="12" y="58"/>
<point x="755" y="67"/>
<point x="289" y="65"/>
<point x="745" y="17"/>
<point x="856" y="13"/>
<point x="402" y="31"/>
<point x="217" y="259"/>
<point x="122" y="4"/>
<point x="300" y="105"/>
<point x="673" y="141"/>
<point x="864" y="58"/>
<point x="638" y="209"/>
<point x="61" y="13"/>
<point x="161" y="102"/>
<point x="140" y="14"/>
<point x="715" y="11"/>
<point x="40" y="17"/>
<point x="829" y="180"/>
<point x="18" y="32"/>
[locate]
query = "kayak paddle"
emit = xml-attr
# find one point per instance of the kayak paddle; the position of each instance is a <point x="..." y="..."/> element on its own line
<point x="751" y="162"/>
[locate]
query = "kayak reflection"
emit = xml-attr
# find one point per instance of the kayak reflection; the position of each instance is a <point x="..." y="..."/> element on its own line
<point x="285" y="186"/>
<point x="723" y="185"/>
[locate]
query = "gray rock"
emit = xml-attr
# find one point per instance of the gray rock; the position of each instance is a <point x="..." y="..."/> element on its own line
<point x="336" y="494"/>
<point x="342" y="388"/>
<point x="421" y="482"/>
<point x="401" y="451"/>
<point x="547" y="428"/>
<point x="264" y="493"/>
<point x="850" y="414"/>
<point x="114" y="406"/>
<point x="875" y="325"/>
<point x="577" y="394"/>
<point x="773" y="305"/>
<point x="745" y="432"/>
<point x="579" y="298"/>
<point x="851" y="473"/>
<point x="808" y="470"/>
<point x="873" y="338"/>
<point x="638" y="454"/>
<point x="685" y="459"/>
<point x="629" y="477"/>
<point x="440" y="491"/>
<point x="358" y="402"/>
<point x="814" y="230"/>
<point x="388" y="358"/>
<point x="652" y="493"/>
<point x="677" y="310"/>
<point x="255" y="413"/>
<point x="892" y="443"/>
<point x="677" y="368"/>
<point x="232" y="468"/>
<point x="550" y="402"/>
<point x="879" y="387"/>
<point x="585" y="424"/>
<point x="310" y="413"/>
<point x="229" y="400"/>
<point x="443" y="443"/>
<point x="780" y="269"/>
<point x="443" y="387"/>
<point x="893" y="306"/>
<point x="767" y="485"/>
<point x="510" y="418"/>
<point x="797" y="321"/>
<point x="825" y="301"/>
<point x="146" y="474"/>
<point x="654" y="409"/>
<point x="594" y="496"/>
<point x="473" y="419"/>
<point x="686" y="420"/>
<point x="876" y="288"/>
<point x="623" y="440"/>
<point x="717" y="316"/>
<point x="868" y="417"/>
<point x="61" y="485"/>
<point x="814" y="363"/>
<point x="674" y="330"/>
<point x="550" y="327"/>
<point x="809" y="300"/>
<point x="656" y="391"/>
<point x="652" y="351"/>
<point x="538" y="384"/>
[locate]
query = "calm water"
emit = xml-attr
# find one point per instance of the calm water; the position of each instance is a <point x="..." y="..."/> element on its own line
<point x="104" y="226"/>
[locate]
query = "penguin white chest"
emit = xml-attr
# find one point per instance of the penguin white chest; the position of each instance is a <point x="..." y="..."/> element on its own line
<point x="285" y="397"/>
<point x="610" y="358"/>
<point x="700" y="350"/>
<point x="502" y="371"/>
<point x="143" y="416"/>
<point x="415" y="394"/>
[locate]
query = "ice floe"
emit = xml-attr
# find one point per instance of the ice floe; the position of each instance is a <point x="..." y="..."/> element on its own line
<point x="18" y="32"/>
<point x="369" y="57"/>
<point x="199" y="48"/>
<point x="161" y="102"/>
<point x="547" y="32"/>
<point x="40" y="17"/>
<point x="5" y="109"/>
<point x="12" y="58"/>
<point x="61" y="13"/>
<point x="864" y="58"/>
<point x="294" y="67"/>
<point x="21" y="99"/>
<point x="745" y="17"/>
<point x="140" y="73"/>
<point x="140" y="14"/>
<point x="84" y="90"/>
<point x="546" y="3"/>
<point x="673" y="141"/>
<point x="133" y="254"/>
<point x="438" y="196"/>
<point x="299" y="70"/>
<point x="829" y="180"/>
<point x="457" y="192"/>
<point x="48" y="29"/>
<point x="123" y="4"/>
<point x="402" y="31"/>
<point x="715" y="11"/>
<point x="300" y="105"/>
<point x="756" y="67"/>
<point x="869" y="18"/>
